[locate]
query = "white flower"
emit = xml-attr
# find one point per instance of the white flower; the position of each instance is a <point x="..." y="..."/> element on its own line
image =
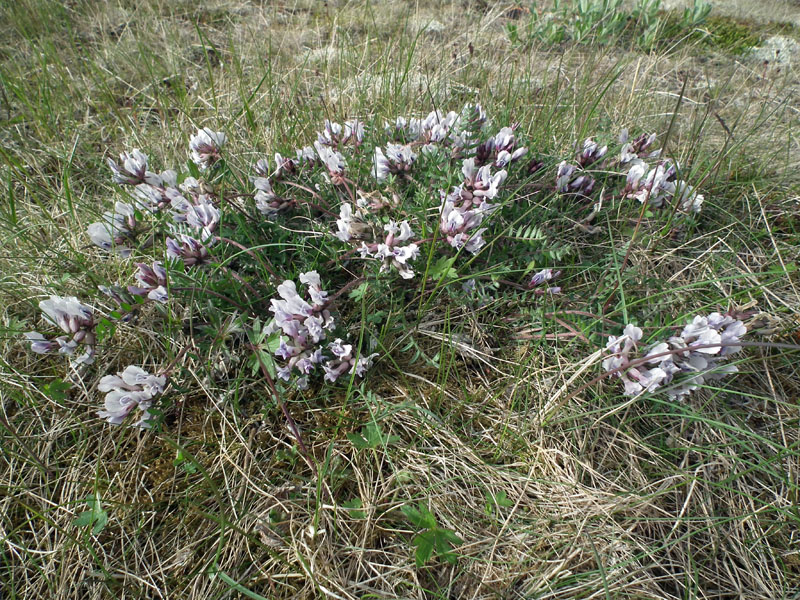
<point x="380" y="167"/>
<point x="114" y="230"/>
<point x="203" y="216"/>
<point x="132" y="388"/>
<point x="205" y="146"/>
<point x="68" y="313"/>
<point x="332" y="160"/>
<point x="132" y="169"/>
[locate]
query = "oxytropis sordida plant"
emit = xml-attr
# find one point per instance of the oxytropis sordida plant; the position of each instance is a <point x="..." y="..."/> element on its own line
<point x="283" y="248"/>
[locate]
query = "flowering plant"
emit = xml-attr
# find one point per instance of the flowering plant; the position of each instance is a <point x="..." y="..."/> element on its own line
<point x="697" y="354"/>
<point x="417" y="198"/>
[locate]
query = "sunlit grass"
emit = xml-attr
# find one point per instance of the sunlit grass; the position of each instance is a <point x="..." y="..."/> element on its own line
<point x="606" y="496"/>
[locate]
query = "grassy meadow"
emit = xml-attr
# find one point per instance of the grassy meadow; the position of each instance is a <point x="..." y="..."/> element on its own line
<point x="485" y="454"/>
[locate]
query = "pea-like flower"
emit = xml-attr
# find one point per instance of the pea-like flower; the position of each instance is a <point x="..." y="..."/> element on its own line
<point x="187" y="249"/>
<point x="479" y="181"/>
<point x="303" y="324"/>
<point x="392" y="252"/>
<point x="116" y="230"/>
<point x="350" y="224"/>
<point x="544" y="276"/>
<point x="333" y="161"/>
<point x="206" y="147"/>
<point x="345" y="362"/>
<point x="268" y="202"/>
<point x="152" y="282"/>
<point x="397" y="161"/>
<point x="591" y="153"/>
<point x="74" y="319"/>
<point x="460" y="220"/>
<point x="132" y="388"/>
<point x="638" y="148"/>
<point x="659" y="187"/>
<point x="132" y="169"/>
<point x="571" y="180"/>
<point x="698" y="354"/>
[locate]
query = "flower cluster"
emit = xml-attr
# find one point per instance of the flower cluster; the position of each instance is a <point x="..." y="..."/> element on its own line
<point x="205" y="146"/>
<point x="344" y="361"/>
<point x="659" y="186"/>
<point x="132" y="388"/>
<point x="152" y="282"/>
<point x="398" y="160"/>
<point x="370" y="190"/>
<point x="499" y="150"/>
<point x="304" y="325"/>
<point x="572" y="180"/>
<point x="116" y="230"/>
<point x="698" y="352"/>
<point x="335" y="134"/>
<point x="392" y="252"/>
<point x="542" y="277"/>
<point x="74" y="319"/>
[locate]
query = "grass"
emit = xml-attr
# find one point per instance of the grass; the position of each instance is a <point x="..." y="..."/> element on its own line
<point x="557" y="490"/>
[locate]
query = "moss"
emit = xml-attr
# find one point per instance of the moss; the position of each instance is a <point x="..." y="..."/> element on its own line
<point x="732" y="35"/>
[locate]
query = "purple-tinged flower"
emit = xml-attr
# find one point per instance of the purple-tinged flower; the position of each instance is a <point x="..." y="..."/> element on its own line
<point x="191" y="251"/>
<point x="697" y="353"/>
<point x="68" y="313"/>
<point x="571" y="180"/>
<point x="330" y="136"/>
<point x="152" y="282"/>
<point x="333" y="161"/>
<point x="262" y="168"/>
<point x="638" y="148"/>
<point x="39" y="343"/>
<point x="353" y="132"/>
<point x="116" y="228"/>
<point x="132" y="169"/>
<point x="303" y="324"/>
<point x="206" y="147"/>
<point x="350" y="224"/>
<point x="74" y="319"/>
<point x="543" y="276"/>
<point x="268" y="202"/>
<point x="306" y="156"/>
<point x="390" y="252"/>
<point x="591" y="153"/>
<point x="504" y="157"/>
<point x="479" y="182"/>
<point x="344" y="361"/>
<point x="397" y="161"/>
<point x="202" y="216"/>
<point x="132" y="388"/>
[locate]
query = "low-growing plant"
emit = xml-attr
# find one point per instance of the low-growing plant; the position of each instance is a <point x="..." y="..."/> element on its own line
<point x="326" y="261"/>
<point x="608" y="22"/>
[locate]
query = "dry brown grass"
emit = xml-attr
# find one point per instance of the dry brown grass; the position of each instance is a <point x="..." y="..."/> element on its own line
<point x="609" y="498"/>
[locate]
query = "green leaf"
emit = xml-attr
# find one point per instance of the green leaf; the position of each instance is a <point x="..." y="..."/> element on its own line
<point x="443" y="268"/>
<point x="425" y="542"/>
<point x="420" y="517"/>
<point x="194" y="171"/>
<point x="105" y="329"/>
<point x="499" y="499"/>
<point x="359" y="292"/>
<point x="371" y="437"/>
<point x="57" y="390"/>
<point x="95" y="516"/>
<point x="353" y="507"/>
<point x="443" y="541"/>
<point x="84" y="519"/>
